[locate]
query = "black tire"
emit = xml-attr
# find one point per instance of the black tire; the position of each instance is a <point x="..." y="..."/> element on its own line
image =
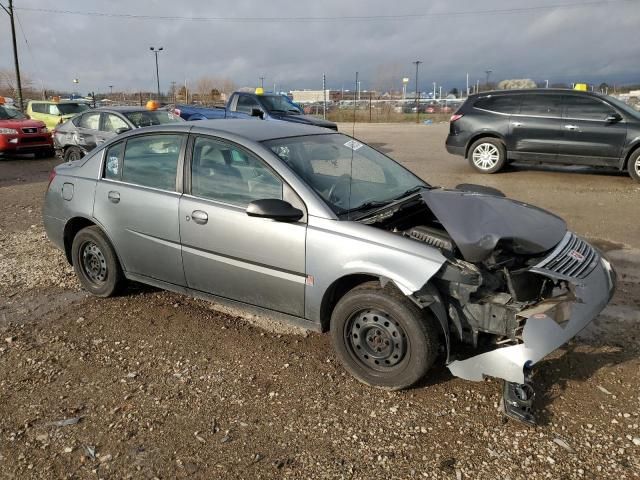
<point x="96" y="263"/>
<point x="72" y="153"/>
<point x="369" y="317"/>
<point x="487" y="155"/>
<point x="634" y="165"/>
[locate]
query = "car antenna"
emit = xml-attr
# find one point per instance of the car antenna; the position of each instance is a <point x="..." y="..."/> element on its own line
<point x="352" y="143"/>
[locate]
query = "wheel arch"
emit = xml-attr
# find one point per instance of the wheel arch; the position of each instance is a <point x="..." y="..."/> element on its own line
<point x="336" y="291"/>
<point x="71" y="229"/>
<point x="478" y="136"/>
<point x="632" y="149"/>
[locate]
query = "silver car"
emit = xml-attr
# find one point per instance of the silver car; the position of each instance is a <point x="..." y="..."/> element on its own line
<point x="323" y="231"/>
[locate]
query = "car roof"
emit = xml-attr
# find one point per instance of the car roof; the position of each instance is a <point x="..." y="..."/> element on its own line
<point x="259" y="130"/>
<point x="50" y="102"/>
<point x="537" y="90"/>
<point x="126" y="109"/>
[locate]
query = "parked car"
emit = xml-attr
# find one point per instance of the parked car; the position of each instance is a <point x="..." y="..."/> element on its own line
<point x="19" y="134"/>
<point x="74" y="138"/>
<point x="324" y="231"/>
<point x="264" y="106"/>
<point x="546" y="126"/>
<point x="54" y="113"/>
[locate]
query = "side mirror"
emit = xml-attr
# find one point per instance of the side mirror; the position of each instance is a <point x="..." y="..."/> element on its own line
<point x="122" y="130"/>
<point x="274" y="209"/>
<point x="256" y="112"/>
<point x="613" y="118"/>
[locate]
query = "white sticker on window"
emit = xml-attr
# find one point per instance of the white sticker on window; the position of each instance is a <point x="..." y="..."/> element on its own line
<point x="112" y="165"/>
<point x="353" y="144"/>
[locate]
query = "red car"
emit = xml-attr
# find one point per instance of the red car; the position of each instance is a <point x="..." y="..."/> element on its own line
<point x="19" y="134"/>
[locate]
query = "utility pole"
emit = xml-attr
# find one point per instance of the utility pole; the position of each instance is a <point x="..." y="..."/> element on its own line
<point x="488" y="72"/>
<point x="156" y="51"/>
<point x="417" y="64"/>
<point x="440" y="92"/>
<point x="324" y="96"/>
<point x="9" y="12"/>
<point x="262" y="82"/>
<point x="467" y="84"/>
<point x="434" y="90"/>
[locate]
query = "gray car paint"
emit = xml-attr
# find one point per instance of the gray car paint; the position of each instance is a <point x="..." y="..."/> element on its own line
<point x="333" y="248"/>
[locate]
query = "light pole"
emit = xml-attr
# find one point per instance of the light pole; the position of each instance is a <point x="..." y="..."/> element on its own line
<point x="110" y="91"/>
<point x="546" y="83"/>
<point x="417" y="64"/>
<point x="262" y="82"/>
<point x="488" y="72"/>
<point x="156" y="51"/>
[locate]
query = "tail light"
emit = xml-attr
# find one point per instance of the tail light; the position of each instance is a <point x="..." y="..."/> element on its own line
<point x="52" y="175"/>
<point x="455" y="117"/>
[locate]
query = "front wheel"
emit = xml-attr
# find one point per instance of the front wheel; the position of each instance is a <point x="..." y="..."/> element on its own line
<point x="634" y="165"/>
<point x="487" y="155"/>
<point x="96" y="263"/>
<point x="382" y="338"/>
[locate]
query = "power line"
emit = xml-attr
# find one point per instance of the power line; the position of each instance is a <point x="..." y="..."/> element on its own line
<point x="363" y="18"/>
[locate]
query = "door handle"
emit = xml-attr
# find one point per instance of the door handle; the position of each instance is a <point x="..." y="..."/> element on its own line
<point x="571" y="127"/>
<point x="517" y="124"/>
<point x="200" y="217"/>
<point x="113" y="196"/>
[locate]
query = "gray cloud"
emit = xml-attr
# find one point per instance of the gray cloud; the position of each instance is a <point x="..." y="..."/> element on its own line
<point x="589" y="43"/>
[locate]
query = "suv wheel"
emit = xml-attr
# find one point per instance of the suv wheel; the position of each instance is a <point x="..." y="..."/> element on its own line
<point x="382" y="338"/>
<point x="487" y="155"/>
<point x="96" y="263"/>
<point x="634" y="165"/>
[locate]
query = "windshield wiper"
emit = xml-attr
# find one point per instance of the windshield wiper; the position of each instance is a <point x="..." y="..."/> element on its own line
<point x="296" y="112"/>
<point x="415" y="189"/>
<point x="367" y="206"/>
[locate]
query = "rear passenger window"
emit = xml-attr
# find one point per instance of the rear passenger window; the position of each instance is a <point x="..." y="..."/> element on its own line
<point x="501" y="104"/>
<point x="540" y="105"/>
<point x="113" y="162"/>
<point x="152" y="161"/>
<point x="90" y="121"/>
<point x="586" y="108"/>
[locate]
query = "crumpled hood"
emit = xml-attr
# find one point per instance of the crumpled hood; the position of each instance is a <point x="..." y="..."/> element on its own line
<point x="476" y="222"/>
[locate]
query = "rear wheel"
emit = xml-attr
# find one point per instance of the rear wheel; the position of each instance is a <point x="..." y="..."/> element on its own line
<point x="72" y="153"/>
<point x="96" y="263"/>
<point x="634" y="165"/>
<point x="382" y="338"/>
<point x="487" y="155"/>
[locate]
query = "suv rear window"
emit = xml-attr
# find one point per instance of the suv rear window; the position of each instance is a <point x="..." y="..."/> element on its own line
<point x="541" y="105"/>
<point x="500" y="104"/>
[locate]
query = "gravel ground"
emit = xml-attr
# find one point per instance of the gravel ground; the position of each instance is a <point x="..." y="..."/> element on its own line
<point x="152" y="384"/>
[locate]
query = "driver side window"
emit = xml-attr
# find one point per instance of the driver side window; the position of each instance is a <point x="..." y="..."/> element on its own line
<point x="246" y="104"/>
<point x="222" y="172"/>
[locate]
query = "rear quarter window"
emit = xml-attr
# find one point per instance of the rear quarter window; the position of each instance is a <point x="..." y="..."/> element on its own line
<point x="501" y="104"/>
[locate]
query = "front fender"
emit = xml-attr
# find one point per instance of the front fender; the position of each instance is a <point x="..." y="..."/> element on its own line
<point x="336" y="249"/>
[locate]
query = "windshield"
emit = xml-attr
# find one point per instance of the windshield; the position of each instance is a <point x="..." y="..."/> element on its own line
<point x="324" y="163"/>
<point x="623" y="106"/>
<point x="71" y="108"/>
<point x="9" y="113"/>
<point x="146" y="118"/>
<point x="280" y="103"/>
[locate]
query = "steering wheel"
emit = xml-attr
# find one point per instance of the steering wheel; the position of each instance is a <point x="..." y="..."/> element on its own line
<point x="340" y="190"/>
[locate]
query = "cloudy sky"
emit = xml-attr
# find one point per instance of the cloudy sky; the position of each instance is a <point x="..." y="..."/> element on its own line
<point x="586" y="40"/>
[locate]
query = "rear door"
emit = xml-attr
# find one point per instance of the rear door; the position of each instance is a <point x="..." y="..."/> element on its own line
<point x="589" y="138"/>
<point x="137" y="202"/>
<point x="227" y="253"/>
<point x="537" y="128"/>
<point x="88" y="134"/>
<point x="243" y="105"/>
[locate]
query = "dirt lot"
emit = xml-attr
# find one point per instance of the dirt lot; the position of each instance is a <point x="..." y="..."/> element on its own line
<point x="153" y="384"/>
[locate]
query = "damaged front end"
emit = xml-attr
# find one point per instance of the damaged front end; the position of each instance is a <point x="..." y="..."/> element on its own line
<point x="517" y="285"/>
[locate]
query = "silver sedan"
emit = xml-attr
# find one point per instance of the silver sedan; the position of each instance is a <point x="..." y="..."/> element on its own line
<point x="321" y="230"/>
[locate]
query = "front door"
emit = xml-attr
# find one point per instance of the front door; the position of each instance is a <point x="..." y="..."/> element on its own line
<point x="227" y="253"/>
<point x="137" y="203"/>
<point x="589" y="138"/>
<point x="536" y="129"/>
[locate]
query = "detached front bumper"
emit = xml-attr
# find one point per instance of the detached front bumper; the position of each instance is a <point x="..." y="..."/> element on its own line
<point x="549" y="324"/>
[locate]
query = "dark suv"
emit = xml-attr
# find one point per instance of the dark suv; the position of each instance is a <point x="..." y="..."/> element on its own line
<point x="546" y="126"/>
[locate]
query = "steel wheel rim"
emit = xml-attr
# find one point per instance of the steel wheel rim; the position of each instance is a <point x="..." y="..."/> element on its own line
<point x="376" y="340"/>
<point x="637" y="166"/>
<point x="94" y="264"/>
<point x="73" y="156"/>
<point x="486" y="156"/>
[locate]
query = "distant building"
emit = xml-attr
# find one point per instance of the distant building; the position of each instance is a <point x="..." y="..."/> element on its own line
<point x="310" y="96"/>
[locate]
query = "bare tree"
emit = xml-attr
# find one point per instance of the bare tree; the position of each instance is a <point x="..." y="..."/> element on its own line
<point x="516" y="83"/>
